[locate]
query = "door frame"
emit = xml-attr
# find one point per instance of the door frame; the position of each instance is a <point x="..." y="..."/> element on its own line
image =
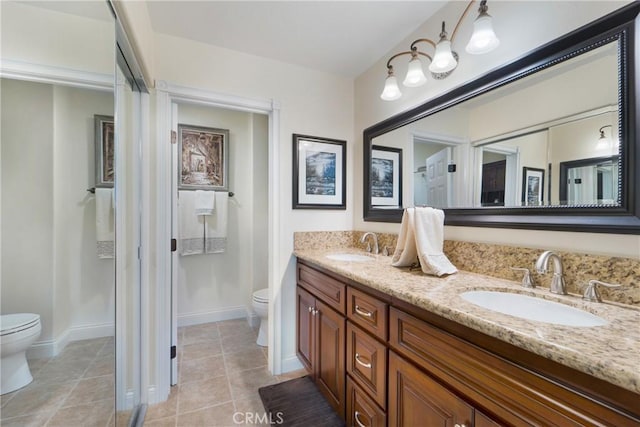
<point x="166" y="95"/>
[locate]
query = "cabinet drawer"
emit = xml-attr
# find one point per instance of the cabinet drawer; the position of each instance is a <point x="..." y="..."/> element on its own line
<point x="367" y="363"/>
<point x="367" y="312"/>
<point x="326" y="288"/>
<point x="361" y="410"/>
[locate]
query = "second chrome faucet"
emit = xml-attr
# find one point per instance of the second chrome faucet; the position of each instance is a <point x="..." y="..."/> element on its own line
<point x="557" y="282"/>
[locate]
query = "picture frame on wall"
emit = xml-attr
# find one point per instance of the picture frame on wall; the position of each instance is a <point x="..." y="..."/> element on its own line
<point x="203" y="158"/>
<point x="386" y="176"/>
<point x="532" y="186"/>
<point x="104" y="150"/>
<point x="319" y="173"/>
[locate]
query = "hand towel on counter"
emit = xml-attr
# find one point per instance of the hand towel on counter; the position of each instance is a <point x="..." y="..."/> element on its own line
<point x="216" y="225"/>
<point x="421" y="238"/>
<point x="205" y="202"/>
<point x="105" y="223"/>
<point x="429" y="229"/>
<point x="190" y="225"/>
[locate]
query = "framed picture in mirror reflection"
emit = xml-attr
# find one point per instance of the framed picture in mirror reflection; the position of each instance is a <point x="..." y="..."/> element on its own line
<point x="532" y="186"/>
<point x="104" y="149"/>
<point x="386" y="176"/>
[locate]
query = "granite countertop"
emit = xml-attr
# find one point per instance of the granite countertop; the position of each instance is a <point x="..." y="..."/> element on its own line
<point x="610" y="352"/>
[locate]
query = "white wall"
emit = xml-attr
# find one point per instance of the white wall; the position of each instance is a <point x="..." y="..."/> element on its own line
<point x="311" y="102"/>
<point x="49" y="261"/>
<point x="518" y="24"/>
<point x="212" y="284"/>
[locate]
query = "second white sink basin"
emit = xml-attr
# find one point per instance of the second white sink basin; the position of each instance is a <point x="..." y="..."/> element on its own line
<point x="532" y="308"/>
<point x="349" y="257"/>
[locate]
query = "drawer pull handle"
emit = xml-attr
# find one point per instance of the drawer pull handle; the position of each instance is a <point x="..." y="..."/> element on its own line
<point x="310" y="309"/>
<point x="459" y="425"/>
<point x="363" y="312"/>
<point x="358" y="420"/>
<point x="366" y="365"/>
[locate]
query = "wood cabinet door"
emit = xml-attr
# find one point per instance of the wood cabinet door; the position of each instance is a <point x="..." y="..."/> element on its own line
<point x="415" y="399"/>
<point x="330" y="363"/>
<point x="305" y="339"/>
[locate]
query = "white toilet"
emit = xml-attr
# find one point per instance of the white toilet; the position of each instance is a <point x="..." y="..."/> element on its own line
<point x="260" y="303"/>
<point x="17" y="333"/>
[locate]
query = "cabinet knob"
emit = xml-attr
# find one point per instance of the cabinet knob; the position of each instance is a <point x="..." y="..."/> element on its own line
<point x="362" y="312"/>
<point x="310" y="309"/>
<point x="366" y="365"/>
<point x="357" y="417"/>
<point x="459" y="425"/>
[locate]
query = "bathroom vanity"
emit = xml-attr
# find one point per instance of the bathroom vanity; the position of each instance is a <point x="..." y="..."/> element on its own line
<point x="389" y="346"/>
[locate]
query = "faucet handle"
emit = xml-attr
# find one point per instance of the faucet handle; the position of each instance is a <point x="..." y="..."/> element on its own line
<point x="527" y="281"/>
<point x="591" y="290"/>
<point x="385" y="251"/>
<point x="368" y="247"/>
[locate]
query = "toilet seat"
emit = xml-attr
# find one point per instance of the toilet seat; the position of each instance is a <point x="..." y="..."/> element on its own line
<point x="14" y="323"/>
<point x="261" y="295"/>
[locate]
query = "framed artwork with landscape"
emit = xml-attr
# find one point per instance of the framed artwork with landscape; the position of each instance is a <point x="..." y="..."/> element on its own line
<point x="319" y="173"/>
<point x="386" y="176"/>
<point x="532" y="186"/>
<point x="203" y="158"/>
<point x="104" y="149"/>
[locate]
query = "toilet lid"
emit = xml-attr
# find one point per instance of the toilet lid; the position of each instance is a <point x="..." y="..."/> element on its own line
<point x="261" y="295"/>
<point x="12" y="323"/>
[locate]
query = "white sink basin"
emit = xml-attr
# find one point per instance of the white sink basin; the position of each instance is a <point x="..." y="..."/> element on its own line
<point x="532" y="308"/>
<point x="349" y="257"/>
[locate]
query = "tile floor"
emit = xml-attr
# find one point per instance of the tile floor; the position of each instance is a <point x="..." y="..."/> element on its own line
<point x="75" y="388"/>
<point x="220" y="368"/>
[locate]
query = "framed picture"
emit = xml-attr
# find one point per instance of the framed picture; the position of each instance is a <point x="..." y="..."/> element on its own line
<point x="532" y="186"/>
<point x="319" y="173"/>
<point x="204" y="158"/>
<point x="104" y="149"/>
<point x="386" y="176"/>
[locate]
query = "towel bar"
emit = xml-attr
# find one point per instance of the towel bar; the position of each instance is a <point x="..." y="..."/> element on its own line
<point x="92" y="190"/>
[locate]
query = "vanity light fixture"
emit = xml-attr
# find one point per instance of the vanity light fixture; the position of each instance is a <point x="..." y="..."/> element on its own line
<point x="444" y="60"/>
<point x="603" y="140"/>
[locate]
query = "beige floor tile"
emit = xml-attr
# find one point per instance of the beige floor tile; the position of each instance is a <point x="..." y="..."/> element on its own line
<point x="162" y="422"/>
<point x="234" y="327"/>
<point x="292" y="375"/>
<point x="37" y="398"/>
<point x="100" y="367"/>
<point x="5" y="398"/>
<point x="165" y="409"/>
<point x="239" y="342"/>
<point x="199" y="333"/>
<point x="253" y="405"/>
<point x="201" y="350"/>
<point x="220" y="415"/>
<point x="246" y="383"/>
<point x="32" y="420"/>
<point x="95" y="414"/>
<point x="91" y="390"/>
<point x="199" y="369"/>
<point x="200" y="394"/>
<point x="243" y="360"/>
<point x="108" y="349"/>
<point x="62" y="370"/>
<point x="86" y="349"/>
<point x="35" y="365"/>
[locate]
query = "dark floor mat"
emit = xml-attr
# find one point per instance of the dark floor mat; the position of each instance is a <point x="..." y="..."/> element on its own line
<point x="298" y="403"/>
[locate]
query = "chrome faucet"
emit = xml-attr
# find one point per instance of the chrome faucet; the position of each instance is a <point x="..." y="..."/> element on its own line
<point x="376" y="249"/>
<point x="557" y="283"/>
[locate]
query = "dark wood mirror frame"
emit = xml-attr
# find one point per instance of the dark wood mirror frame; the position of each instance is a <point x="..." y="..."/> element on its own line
<point x="617" y="26"/>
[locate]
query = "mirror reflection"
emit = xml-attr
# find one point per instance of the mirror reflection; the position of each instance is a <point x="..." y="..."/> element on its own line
<point x="548" y="139"/>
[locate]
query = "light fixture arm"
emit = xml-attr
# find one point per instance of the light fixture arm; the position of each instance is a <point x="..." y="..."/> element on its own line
<point x="431" y="42"/>
<point x="482" y="9"/>
<point x="601" y="130"/>
<point x="413" y="52"/>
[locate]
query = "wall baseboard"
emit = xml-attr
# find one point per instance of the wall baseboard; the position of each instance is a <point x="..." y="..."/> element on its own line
<point x="51" y="348"/>
<point x="188" y="319"/>
<point x="291" y="363"/>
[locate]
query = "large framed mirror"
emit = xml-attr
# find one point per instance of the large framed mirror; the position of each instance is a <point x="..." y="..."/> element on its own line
<point x="546" y="142"/>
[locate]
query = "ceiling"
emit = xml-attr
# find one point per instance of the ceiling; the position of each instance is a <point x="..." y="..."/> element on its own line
<point x="340" y="37"/>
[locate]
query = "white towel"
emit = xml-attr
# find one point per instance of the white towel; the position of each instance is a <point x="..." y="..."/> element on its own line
<point x="105" y="223"/>
<point x="190" y="225"/>
<point x="216" y="225"/>
<point x="421" y="238"/>
<point x="205" y="202"/>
